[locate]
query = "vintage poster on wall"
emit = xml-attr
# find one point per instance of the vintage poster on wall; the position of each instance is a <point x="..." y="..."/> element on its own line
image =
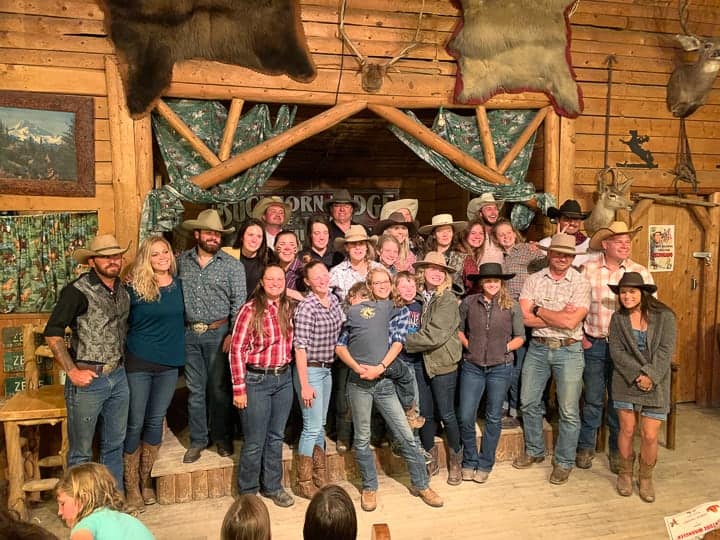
<point x="661" y="248"/>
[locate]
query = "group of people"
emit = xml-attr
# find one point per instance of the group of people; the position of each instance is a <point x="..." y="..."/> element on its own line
<point x="401" y="330"/>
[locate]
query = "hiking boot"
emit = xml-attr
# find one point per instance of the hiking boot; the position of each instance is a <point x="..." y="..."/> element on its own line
<point x="584" y="457"/>
<point x="368" y="500"/>
<point x="525" y="461"/>
<point x="428" y="496"/>
<point x="559" y="475"/>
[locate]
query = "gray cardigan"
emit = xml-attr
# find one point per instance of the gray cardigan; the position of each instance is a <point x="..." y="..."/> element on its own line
<point x="654" y="362"/>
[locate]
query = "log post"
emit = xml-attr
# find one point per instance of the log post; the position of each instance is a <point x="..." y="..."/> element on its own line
<point x="215" y="483"/>
<point x="707" y="389"/>
<point x="186" y="133"/>
<point x="566" y="157"/>
<point x="183" y="487"/>
<point x="231" y="125"/>
<point x="16" y="496"/>
<point x="199" y="485"/>
<point x="523" y="139"/>
<point x="166" y="489"/>
<point x="486" y="137"/>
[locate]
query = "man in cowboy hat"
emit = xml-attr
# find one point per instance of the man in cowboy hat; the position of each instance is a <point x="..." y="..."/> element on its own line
<point x="95" y="306"/>
<point x="341" y="207"/>
<point x="615" y="243"/>
<point x="487" y="209"/>
<point x="274" y="213"/>
<point x="214" y="289"/>
<point x="569" y="218"/>
<point x="554" y="301"/>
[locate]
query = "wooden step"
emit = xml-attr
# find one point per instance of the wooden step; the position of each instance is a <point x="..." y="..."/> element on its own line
<point x="51" y="461"/>
<point x="44" y="484"/>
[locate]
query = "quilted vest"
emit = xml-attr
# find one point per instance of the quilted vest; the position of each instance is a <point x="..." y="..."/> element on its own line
<point x="488" y="331"/>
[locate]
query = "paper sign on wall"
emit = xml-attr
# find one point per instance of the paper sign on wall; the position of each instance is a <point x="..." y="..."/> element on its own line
<point x="661" y="248"/>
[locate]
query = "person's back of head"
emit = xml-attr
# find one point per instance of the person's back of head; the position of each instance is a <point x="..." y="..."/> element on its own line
<point x="246" y="519"/>
<point x="12" y="528"/>
<point x="330" y="514"/>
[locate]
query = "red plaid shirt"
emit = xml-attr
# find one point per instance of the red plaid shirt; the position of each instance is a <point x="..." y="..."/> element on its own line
<point x="270" y="350"/>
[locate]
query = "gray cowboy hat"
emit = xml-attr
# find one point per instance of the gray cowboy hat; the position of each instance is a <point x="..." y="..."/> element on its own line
<point x="102" y="245"/>
<point x="396" y="218"/>
<point x="570" y="209"/>
<point x="266" y="202"/>
<point x="340" y="196"/>
<point x="490" y="271"/>
<point x="635" y="280"/>
<point x="562" y="243"/>
<point x="207" y="220"/>
<point x="434" y="258"/>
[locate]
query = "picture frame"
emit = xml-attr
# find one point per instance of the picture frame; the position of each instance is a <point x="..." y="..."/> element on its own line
<point x="47" y="144"/>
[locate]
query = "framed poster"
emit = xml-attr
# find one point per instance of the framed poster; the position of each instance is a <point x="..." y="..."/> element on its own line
<point x="661" y="248"/>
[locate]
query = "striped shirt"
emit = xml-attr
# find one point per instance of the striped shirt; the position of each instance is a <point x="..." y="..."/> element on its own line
<point x="603" y="302"/>
<point x="270" y="350"/>
<point x="317" y="327"/>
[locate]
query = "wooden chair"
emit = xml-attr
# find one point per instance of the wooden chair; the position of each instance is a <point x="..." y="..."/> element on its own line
<point x="380" y="531"/>
<point x="29" y="409"/>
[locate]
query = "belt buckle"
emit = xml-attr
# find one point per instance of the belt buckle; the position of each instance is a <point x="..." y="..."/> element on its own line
<point x="553" y="343"/>
<point x="200" y="327"/>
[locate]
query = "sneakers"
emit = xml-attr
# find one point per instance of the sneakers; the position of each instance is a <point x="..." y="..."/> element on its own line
<point x="281" y="498"/>
<point x="415" y="421"/>
<point x="584" y="457"/>
<point x="525" y="461"/>
<point x="192" y="455"/>
<point x="559" y="475"/>
<point x="368" y="500"/>
<point x="428" y="496"/>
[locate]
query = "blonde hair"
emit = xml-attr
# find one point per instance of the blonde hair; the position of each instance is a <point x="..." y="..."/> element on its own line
<point x="246" y="519"/>
<point x="505" y="301"/>
<point x="142" y="276"/>
<point x="92" y="486"/>
<point x="371" y="273"/>
<point x="444" y="286"/>
<point x="398" y="300"/>
<point x="404" y="251"/>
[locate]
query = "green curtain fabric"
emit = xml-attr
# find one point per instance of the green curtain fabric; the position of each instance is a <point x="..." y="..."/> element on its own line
<point x="462" y="131"/>
<point x="35" y="253"/>
<point x="163" y="209"/>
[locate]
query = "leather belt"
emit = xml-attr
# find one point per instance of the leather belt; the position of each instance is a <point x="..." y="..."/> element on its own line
<point x="201" y="327"/>
<point x="98" y="369"/>
<point x="596" y="338"/>
<point x="268" y="370"/>
<point x="320" y="364"/>
<point x="555" y="343"/>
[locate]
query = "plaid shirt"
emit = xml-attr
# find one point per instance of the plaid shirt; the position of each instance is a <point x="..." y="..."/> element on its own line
<point x="516" y="261"/>
<point x="603" y="302"/>
<point x="317" y="327"/>
<point x="270" y="350"/>
<point x="343" y="276"/>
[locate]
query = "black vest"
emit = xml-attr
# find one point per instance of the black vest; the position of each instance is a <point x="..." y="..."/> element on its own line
<point x="488" y="331"/>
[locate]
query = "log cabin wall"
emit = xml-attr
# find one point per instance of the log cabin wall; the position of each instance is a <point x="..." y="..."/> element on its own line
<point x="60" y="47"/>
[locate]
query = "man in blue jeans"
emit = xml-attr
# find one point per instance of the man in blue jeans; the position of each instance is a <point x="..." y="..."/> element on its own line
<point x="214" y="290"/>
<point x="96" y="307"/>
<point x="554" y="303"/>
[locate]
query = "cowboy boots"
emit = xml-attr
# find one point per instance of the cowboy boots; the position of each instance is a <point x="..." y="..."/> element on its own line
<point x="319" y="470"/>
<point x="647" y="490"/>
<point x="305" y="486"/>
<point x="131" y="477"/>
<point x="454" y="467"/>
<point x="625" y="474"/>
<point x="433" y="467"/>
<point x="147" y="460"/>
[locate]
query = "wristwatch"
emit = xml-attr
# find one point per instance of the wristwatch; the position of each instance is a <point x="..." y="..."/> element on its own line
<point x="535" y="310"/>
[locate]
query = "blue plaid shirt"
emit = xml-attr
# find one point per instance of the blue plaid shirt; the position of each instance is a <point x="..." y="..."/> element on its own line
<point x="317" y="327"/>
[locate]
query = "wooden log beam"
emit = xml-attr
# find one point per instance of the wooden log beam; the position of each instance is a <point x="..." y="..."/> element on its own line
<point x="253" y="156"/>
<point x="701" y="214"/>
<point x="551" y="166"/>
<point x="231" y="124"/>
<point x="523" y="139"/>
<point x="186" y="133"/>
<point x="640" y="209"/>
<point x="437" y="143"/>
<point x="667" y="199"/>
<point x="566" y="176"/>
<point x="486" y="137"/>
<point x="707" y="381"/>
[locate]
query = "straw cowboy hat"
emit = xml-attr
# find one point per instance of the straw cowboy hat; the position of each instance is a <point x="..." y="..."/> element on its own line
<point x="635" y="280"/>
<point x="490" y="271"/>
<point x="356" y="233"/>
<point x="391" y="207"/>
<point x="570" y="209"/>
<point x="486" y="199"/>
<point x="396" y="218"/>
<point x="100" y="246"/>
<point x="434" y="258"/>
<point x="616" y="228"/>
<point x="266" y="202"/>
<point x="440" y="220"/>
<point x="340" y="196"/>
<point x="562" y="243"/>
<point x="207" y="220"/>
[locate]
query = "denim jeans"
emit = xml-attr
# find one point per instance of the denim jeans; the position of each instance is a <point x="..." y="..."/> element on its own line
<point x="343" y="417"/>
<point x="207" y="376"/>
<point x="105" y="399"/>
<point x="514" y="390"/>
<point x="314" y="417"/>
<point x="404" y="378"/>
<point x="438" y="394"/>
<point x="362" y="395"/>
<point x="150" y="396"/>
<point x="269" y="398"/>
<point x="597" y="377"/>
<point x="566" y="365"/>
<point x="474" y="382"/>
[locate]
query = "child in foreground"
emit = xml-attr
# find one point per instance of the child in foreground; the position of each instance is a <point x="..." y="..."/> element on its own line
<point x="246" y="519"/>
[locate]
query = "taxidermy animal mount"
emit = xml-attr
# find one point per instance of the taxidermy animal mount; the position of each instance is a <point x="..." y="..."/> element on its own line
<point x="611" y="197"/>
<point x="151" y="35"/>
<point x="690" y="83"/>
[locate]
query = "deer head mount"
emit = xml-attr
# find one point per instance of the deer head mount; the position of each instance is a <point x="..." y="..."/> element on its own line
<point x="612" y="196"/>
<point x="372" y="73"/>
<point x="690" y="83"/>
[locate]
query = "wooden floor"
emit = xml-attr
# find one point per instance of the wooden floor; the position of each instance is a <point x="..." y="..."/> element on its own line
<point x="513" y="504"/>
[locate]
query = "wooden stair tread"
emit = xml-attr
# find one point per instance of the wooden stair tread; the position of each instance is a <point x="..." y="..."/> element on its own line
<point x="44" y="484"/>
<point x="51" y="461"/>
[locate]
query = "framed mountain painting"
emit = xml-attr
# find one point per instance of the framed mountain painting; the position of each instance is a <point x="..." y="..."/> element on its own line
<point x="46" y="145"/>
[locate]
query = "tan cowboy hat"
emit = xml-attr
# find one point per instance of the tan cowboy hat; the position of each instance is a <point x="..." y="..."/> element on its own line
<point x="340" y="196"/>
<point x="562" y="243"/>
<point x="100" y="246"/>
<point x="486" y="199"/>
<point x="207" y="220"/>
<point x="391" y="207"/>
<point x="266" y="202"/>
<point x="635" y="280"/>
<point x="356" y="233"/>
<point x="440" y="220"/>
<point x="434" y="258"/>
<point x="396" y="218"/>
<point x="616" y="228"/>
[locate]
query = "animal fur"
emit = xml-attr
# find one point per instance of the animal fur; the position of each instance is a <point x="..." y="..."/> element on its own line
<point x="514" y="46"/>
<point x="151" y="35"/>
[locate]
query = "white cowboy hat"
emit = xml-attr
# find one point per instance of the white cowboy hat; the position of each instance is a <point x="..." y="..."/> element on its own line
<point x="207" y="220"/>
<point x="356" y="233"/>
<point x="395" y="206"/>
<point x="100" y="246"/>
<point x="266" y="202"/>
<point x="440" y="220"/>
<point x="614" y="229"/>
<point x="486" y="199"/>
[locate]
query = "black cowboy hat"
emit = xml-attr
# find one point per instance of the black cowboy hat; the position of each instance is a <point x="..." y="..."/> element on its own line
<point x="340" y="196"/>
<point x="490" y="271"/>
<point x="635" y="280"/>
<point x="396" y="218"/>
<point x="570" y="208"/>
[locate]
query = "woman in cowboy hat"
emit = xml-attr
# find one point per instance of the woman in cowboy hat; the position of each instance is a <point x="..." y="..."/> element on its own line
<point x="491" y="328"/>
<point x="437" y="338"/>
<point x="441" y="239"/>
<point x="402" y="231"/>
<point x="642" y="341"/>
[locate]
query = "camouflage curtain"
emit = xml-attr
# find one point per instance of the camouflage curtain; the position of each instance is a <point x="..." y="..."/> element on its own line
<point x="163" y="208"/>
<point x="36" y="263"/>
<point x="462" y="131"/>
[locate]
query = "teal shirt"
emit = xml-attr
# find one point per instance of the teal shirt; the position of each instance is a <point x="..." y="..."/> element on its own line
<point x="106" y="524"/>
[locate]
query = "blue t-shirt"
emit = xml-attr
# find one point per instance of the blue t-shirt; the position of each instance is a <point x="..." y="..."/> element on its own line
<point x="156" y="330"/>
<point x="106" y="524"/>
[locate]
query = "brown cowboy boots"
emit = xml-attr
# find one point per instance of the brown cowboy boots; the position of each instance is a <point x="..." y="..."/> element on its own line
<point x="147" y="460"/>
<point x="625" y="475"/>
<point x="306" y="487"/>
<point x="319" y="469"/>
<point x="131" y="477"/>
